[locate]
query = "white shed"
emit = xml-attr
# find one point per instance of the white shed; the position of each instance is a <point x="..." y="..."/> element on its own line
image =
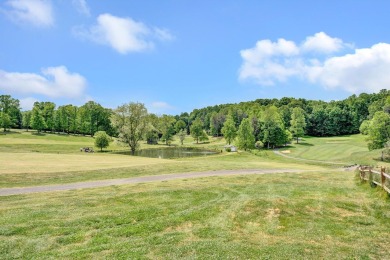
<point x="232" y="148"/>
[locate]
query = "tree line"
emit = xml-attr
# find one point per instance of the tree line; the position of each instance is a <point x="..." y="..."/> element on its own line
<point x="262" y="122"/>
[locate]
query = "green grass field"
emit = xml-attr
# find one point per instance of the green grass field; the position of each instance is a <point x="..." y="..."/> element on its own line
<point x="324" y="212"/>
<point x="350" y="149"/>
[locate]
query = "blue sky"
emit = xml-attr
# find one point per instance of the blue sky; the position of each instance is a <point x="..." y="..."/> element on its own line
<point x="177" y="55"/>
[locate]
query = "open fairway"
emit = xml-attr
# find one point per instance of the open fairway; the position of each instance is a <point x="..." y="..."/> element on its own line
<point x="351" y="149"/>
<point x="308" y="215"/>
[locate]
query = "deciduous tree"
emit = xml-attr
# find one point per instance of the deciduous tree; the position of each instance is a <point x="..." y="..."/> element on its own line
<point x="229" y="130"/>
<point x="102" y="139"/>
<point x="379" y="130"/>
<point x="297" y="123"/>
<point x="245" y="137"/>
<point x="196" y="129"/>
<point x="131" y="121"/>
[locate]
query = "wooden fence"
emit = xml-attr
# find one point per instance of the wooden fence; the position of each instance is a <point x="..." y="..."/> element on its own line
<point x="375" y="178"/>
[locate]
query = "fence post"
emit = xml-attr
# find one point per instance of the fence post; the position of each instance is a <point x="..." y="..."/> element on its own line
<point x="383" y="178"/>
<point x="361" y="173"/>
<point x="371" y="178"/>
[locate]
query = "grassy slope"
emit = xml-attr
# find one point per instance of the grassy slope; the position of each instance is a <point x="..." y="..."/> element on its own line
<point x="320" y="214"/>
<point x="350" y="149"/>
<point x="283" y="216"/>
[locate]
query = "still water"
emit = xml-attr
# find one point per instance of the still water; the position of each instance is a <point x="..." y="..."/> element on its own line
<point x="173" y="152"/>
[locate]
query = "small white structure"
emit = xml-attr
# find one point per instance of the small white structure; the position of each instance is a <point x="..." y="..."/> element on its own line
<point x="232" y="148"/>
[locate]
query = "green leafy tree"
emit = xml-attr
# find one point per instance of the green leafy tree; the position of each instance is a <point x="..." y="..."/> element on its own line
<point x="5" y="121"/>
<point x="11" y="107"/>
<point x="204" y="137"/>
<point x="48" y="114"/>
<point x="273" y="129"/>
<point x="364" y="127"/>
<point x="196" y="129"/>
<point x="131" y="121"/>
<point x="229" y="130"/>
<point x="37" y="119"/>
<point x="297" y="123"/>
<point x="26" y="119"/>
<point x="179" y="125"/>
<point x="216" y="123"/>
<point x="166" y="126"/>
<point x="379" y="130"/>
<point x="245" y="137"/>
<point x="102" y="140"/>
<point x="182" y="135"/>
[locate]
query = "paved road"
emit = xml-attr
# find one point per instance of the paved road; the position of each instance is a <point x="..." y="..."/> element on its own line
<point x="105" y="183"/>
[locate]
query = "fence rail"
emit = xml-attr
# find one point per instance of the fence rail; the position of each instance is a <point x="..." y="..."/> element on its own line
<point x="375" y="178"/>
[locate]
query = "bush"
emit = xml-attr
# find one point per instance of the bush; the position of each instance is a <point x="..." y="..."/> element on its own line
<point x="259" y="145"/>
<point x="102" y="140"/>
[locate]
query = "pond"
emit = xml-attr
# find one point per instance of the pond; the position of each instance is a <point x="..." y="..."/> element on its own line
<point x="173" y="152"/>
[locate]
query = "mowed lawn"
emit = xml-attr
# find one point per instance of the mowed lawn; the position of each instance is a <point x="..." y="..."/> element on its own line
<point x="351" y="149"/>
<point x="316" y="215"/>
<point x="30" y="159"/>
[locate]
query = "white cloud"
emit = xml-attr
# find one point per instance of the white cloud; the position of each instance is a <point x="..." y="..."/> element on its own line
<point x="36" y="12"/>
<point x="82" y="7"/>
<point x="323" y="43"/>
<point x="123" y="34"/>
<point x="54" y="82"/>
<point x="363" y="70"/>
<point x="262" y="63"/>
<point x="160" y="107"/>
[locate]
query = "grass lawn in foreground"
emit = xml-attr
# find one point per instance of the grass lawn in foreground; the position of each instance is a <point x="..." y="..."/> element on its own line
<point x="277" y="216"/>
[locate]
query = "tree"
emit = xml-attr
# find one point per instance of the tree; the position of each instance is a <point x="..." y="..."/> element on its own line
<point x="26" y="119"/>
<point x="131" y="121"/>
<point x="229" y="130"/>
<point x="379" y="130"/>
<point x="204" y="136"/>
<point x="196" y="129"/>
<point x="245" y="137"/>
<point x="180" y="124"/>
<point x="273" y="128"/>
<point x="5" y="121"/>
<point x="364" y="127"/>
<point x="37" y="119"/>
<point x="11" y="107"/>
<point x="102" y="140"/>
<point x="166" y="128"/>
<point x="182" y="135"/>
<point x="216" y="123"/>
<point x="298" y="123"/>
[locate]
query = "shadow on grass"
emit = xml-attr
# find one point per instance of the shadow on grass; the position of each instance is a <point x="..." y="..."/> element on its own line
<point x="9" y="132"/>
<point x="39" y="134"/>
<point x="304" y="144"/>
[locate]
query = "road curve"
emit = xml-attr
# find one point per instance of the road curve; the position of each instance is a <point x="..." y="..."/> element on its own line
<point x="134" y="180"/>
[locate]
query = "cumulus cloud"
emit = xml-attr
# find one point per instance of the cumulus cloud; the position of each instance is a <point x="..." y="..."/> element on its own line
<point x="321" y="42"/>
<point x="320" y="59"/>
<point x="123" y="34"/>
<point x="82" y="7"/>
<point x="35" y="12"/>
<point x="54" y="82"/>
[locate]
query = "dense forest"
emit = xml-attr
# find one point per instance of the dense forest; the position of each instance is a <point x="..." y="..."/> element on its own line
<point x="272" y="121"/>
